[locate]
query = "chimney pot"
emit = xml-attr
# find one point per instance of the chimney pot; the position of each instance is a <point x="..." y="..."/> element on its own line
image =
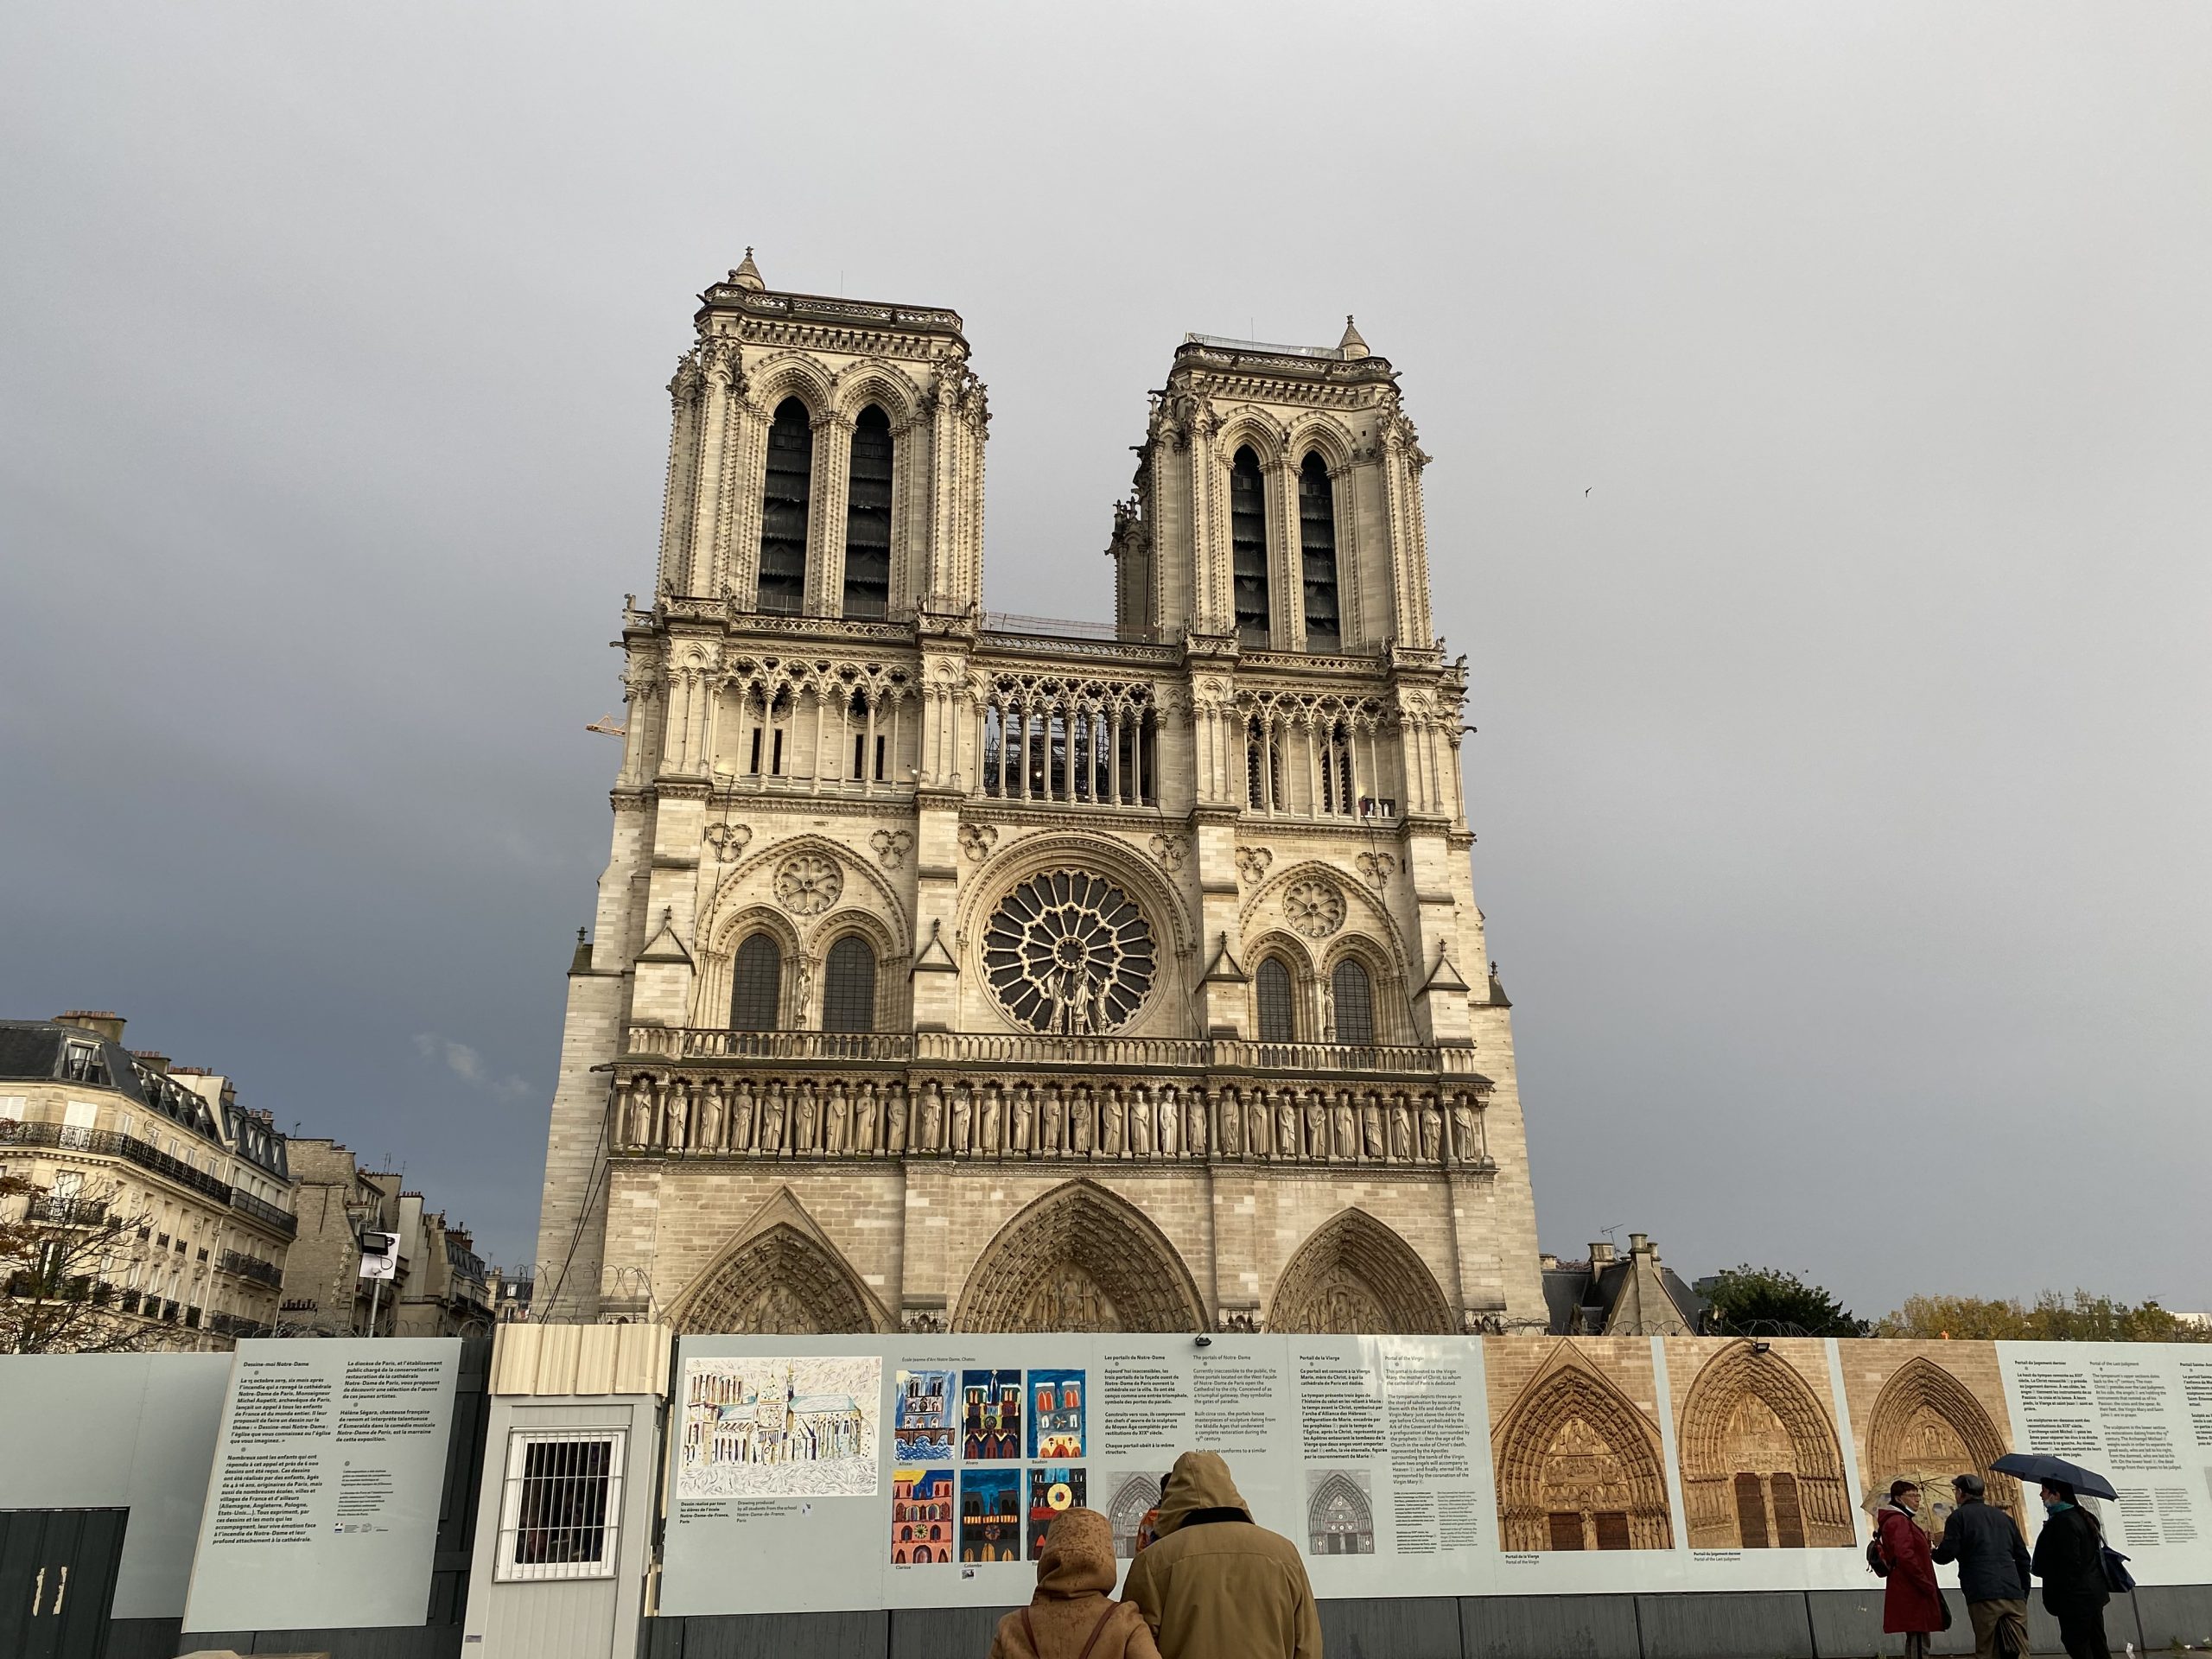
<point x="107" y="1024"/>
<point x="1601" y="1253"/>
<point x="1640" y="1244"/>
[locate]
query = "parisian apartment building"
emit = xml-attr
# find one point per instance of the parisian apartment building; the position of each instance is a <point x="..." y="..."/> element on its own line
<point x="439" y="1285"/>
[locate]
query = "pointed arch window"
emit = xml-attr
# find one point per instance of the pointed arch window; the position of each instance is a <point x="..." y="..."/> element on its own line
<point x="1278" y="1012"/>
<point x="1316" y="543"/>
<point x="756" y="985"/>
<point x="867" y="516"/>
<point x="1248" y="541"/>
<point x="785" y="498"/>
<point x="1353" y="994"/>
<point x="849" y="986"/>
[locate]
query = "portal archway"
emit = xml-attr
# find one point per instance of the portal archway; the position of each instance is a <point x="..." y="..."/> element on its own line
<point x="781" y="1276"/>
<point x="1579" y="1467"/>
<point x="1080" y="1259"/>
<point x="1926" y="1427"/>
<point x="1356" y="1276"/>
<point x="1761" y="1468"/>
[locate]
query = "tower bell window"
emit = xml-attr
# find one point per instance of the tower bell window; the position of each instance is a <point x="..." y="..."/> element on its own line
<point x="785" y="498"/>
<point x="1317" y="541"/>
<point x="867" y="516"/>
<point x="1248" y="540"/>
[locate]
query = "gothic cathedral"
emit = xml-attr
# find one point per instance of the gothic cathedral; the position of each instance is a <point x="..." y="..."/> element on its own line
<point x="969" y="972"/>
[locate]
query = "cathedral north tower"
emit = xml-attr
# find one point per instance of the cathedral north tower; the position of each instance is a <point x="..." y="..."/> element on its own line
<point x="954" y="970"/>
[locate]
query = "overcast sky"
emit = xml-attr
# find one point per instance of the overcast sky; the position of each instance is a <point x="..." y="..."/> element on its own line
<point x="1821" y="403"/>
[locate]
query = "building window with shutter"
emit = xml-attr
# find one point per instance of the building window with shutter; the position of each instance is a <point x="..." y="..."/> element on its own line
<point x="560" y="1512"/>
<point x="1248" y="541"/>
<point x="785" y="498"/>
<point x="1353" y="994"/>
<point x="867" y="516"/>
<point x="1278" y="1011"/>
<point x="849" y="986"/>
<point x="1317" y="541"/>
<point x="756" y="985"/>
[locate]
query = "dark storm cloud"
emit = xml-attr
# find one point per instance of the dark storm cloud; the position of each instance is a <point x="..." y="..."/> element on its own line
<point x="1819" y="406"/>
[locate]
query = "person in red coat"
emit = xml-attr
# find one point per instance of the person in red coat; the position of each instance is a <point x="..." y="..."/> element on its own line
<point x="1912" y="1604"/>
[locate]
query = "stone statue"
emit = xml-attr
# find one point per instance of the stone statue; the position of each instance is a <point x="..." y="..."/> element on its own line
<point x="679" y="1116"/>
<point x="1465" y="1148"/>
<point x="641" y="1117"/>
<point x="1402" y="1129"/>
<point x="895" y="1107"/>
<point x="740" y="1120"/>
<point x="1371" y="1129"/>
<point x="1080" y="1130"/>
<point x="808" y="1111"/>
<point x="1025" y="1113"/>
<point x="864" y="1116"/>
<point x="710" y="1117"/>
<point x="991" y="1142"/>
<point x="1432" y="1130"/>
<point x="835" y="1122"/>
<point x="1316" y="1124"/>
<point x="1341" y="1122"/>
<point x="1109" y="1132"/>
<point x="963" y="1112"/>
<point x="1287" y="1124"/>
<point x="1141" y="1124"/>
<point x="771" y="1122"/>
<point x="1196" y="1109"/>
<point x="1052" y="1131"/>
<point x="932" y="1119"/>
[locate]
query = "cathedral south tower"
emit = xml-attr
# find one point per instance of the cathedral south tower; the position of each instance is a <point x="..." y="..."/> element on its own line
<point x="959" y="971"/>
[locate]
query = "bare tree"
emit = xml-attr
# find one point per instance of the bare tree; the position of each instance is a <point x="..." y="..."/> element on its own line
<point x="56" y="1255"/>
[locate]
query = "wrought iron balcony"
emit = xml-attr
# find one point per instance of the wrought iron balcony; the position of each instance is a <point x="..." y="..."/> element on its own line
<point x="268" y="1215"/>
<point x="253" y="1267"/>
<point x="71" y="1212"/>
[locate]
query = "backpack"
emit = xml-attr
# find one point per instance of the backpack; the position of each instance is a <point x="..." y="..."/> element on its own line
<point x="1877" y="1563"/>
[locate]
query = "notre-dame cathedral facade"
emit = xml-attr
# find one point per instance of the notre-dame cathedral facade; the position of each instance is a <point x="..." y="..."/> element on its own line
<point x="960" y="971"/>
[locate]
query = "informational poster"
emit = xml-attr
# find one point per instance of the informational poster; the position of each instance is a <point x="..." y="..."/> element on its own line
<point x="2140" y="1414"/>
<point x="857" y="1472"/>
<point x="322" y="1510"/>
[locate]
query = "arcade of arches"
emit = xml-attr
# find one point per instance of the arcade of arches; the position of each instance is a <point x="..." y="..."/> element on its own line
<point x="1077" y="1258"/>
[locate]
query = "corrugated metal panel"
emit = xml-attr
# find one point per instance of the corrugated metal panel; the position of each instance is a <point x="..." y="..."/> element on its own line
<point x="566" y="1359"/>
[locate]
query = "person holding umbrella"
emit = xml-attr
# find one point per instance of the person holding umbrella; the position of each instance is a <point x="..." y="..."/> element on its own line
<point x="2069" y="1559"/>
<point x="1993" y="1568"/>
<point x="2079" y="1571"/>
<point x="1912" y="1603"/>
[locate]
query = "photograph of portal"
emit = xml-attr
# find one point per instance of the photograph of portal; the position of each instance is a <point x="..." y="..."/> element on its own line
<point x="1575" y="1444"/>
<point x="921" y="1516"/>
<point x="1926" y="1411"/>
<point x="1055" y="1487"/>
<point x="990" y="1416"/>
<point x="921" y="1429"/>
<point x="1132" y="1495"/>
<point x="990" y="1514"/>
<point x="1055" y="1413"/>
<point x="1755" y="1433"/>
<point x="1339" y="1513"/>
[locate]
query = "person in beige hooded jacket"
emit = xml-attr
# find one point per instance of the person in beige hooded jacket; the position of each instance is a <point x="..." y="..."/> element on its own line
<point x="1215" y="1585"/>
<point x="1071" y="1617"/>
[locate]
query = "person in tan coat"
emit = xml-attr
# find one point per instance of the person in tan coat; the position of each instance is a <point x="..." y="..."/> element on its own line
<point x="1215" y="1585"/>
<point x="1071" y="1617"/>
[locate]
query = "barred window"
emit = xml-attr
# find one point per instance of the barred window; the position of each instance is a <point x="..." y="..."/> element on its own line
<point x="1248" y="540"/>
<point x="1317" y="541"/>
<point x="756" y="986"/>
<point x="785" y="499"/>
<point x="560" y="1513"/>
<point x="867" y="516"/>
<point x="1354" y="994"/>
<point x="849" y="986"/>
<point x="1278" y="1013"/>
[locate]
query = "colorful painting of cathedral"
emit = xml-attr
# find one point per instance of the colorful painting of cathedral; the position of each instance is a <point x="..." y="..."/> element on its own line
<point x="1053" y="1488"/>
<point x="990" y="1514"/>
<point x="921" y="1516"/>
<point x="990" y="1416"/>
<point x="780" y="1426"/>
<point x="921" y="1427"/>
<point x="1056" y="1405"/>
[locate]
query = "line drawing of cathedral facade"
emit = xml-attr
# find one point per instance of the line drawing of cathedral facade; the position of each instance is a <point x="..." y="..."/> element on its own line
<point x="954" y="970"/>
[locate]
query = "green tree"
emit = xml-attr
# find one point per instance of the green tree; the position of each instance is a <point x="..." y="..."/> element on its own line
<point x="2054" y="1318"/>
<point x="1749" y="1301"/>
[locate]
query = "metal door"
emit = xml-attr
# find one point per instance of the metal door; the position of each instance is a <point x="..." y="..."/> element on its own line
<point x="57" y="1581"/>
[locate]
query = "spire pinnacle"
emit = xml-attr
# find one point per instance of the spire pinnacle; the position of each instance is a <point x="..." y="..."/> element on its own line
<point x="747" y="275"/>
<point x="1351" y="345"/>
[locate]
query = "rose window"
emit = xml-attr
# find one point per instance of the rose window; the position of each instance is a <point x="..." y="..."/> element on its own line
<point x="1315" y="908"/>
<point x="809" y="884"/>
<point x="1068" y="952"/>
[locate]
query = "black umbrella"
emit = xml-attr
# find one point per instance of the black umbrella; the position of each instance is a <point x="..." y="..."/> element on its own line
<point x="2033" y="1465"/>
